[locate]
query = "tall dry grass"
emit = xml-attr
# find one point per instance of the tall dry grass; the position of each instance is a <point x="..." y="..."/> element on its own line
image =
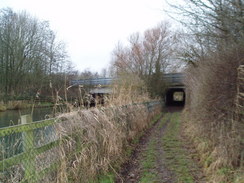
<point x="211" y="89"/>
<point x="96" y="140"/>
<point x="128" y="89"/>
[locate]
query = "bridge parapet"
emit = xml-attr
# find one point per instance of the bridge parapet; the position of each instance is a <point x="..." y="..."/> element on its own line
<point x="93" y="82"/>
<point x="171" y="78"/>
<point x="174" y="78"/>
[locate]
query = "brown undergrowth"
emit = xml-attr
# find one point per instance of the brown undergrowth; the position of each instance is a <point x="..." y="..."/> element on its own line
<point x="96" y="140"/>
<point x="211" y="89"/>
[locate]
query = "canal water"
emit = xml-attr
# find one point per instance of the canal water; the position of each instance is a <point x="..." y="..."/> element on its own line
<point x="12" y="117"/>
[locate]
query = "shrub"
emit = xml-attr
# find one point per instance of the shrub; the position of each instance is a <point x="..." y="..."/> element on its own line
<point x="211" y="89"/>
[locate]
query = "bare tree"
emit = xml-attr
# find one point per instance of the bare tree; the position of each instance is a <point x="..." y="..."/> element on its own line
<point x="29" y="52"/>
<point x="87" y="74"/>
<point x="148" y="56"/>
<point x="159" y="46"/>
<point x="120" y="59"/>
<point x="104" y="73"/>
<point x="211" y="24"/>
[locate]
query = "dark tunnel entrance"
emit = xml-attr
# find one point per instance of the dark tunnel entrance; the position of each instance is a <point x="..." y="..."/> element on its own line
<point x="175" y="97"/>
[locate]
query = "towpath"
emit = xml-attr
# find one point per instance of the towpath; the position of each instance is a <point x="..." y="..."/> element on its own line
<point x="162" y="155"/>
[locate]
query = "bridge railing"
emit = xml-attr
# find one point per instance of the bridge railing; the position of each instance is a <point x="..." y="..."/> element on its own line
<point x="30" y="152"/>
<point x="98" y="81"/>
<point x="172" y="78"/>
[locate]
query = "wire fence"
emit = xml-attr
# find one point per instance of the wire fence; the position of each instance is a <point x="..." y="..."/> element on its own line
<point x="26" y="150"/>
<point x="31" y="152"/>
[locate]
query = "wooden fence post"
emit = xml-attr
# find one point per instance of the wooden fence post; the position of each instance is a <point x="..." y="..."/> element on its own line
<point x="28" y="146"/>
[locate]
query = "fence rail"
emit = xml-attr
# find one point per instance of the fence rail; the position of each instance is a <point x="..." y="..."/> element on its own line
<point x="30" y="151"/>
<point x="22" y="144"/>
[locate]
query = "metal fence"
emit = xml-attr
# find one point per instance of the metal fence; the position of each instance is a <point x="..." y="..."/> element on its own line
<point x="30" y="152"/>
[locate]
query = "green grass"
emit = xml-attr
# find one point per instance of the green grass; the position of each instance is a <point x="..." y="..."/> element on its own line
<point x="149" y="163"/>
<point x="149" y="177"/>
<point x="16" y="105"/>
<point x="164" y="120"/>
<point x="156" y="118"/>
<point x="176" y="157"/>
<point x="108" y="178"/>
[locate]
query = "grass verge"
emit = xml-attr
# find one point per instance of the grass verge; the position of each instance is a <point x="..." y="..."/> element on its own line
<point x="18" y="105"/>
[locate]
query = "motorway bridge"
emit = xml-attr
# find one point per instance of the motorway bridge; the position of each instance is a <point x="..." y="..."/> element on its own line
<point x="175" y="94"/>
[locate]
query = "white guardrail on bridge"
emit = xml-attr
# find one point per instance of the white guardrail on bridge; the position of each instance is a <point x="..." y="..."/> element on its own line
<point x="171" y="78"/>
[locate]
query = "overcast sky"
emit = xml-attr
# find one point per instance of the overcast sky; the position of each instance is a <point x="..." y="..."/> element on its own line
<point x="92" y="28"/>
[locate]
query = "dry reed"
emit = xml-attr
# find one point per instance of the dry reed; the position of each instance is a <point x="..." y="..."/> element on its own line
<point x="96" y="140"/>
<point x="128" y="89"/>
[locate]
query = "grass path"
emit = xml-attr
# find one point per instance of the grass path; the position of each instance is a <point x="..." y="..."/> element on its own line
<point x="160" y="156"/>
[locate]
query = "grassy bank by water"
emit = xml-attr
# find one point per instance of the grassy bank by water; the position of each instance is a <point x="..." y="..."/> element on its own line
<point x="17" y="105"/>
